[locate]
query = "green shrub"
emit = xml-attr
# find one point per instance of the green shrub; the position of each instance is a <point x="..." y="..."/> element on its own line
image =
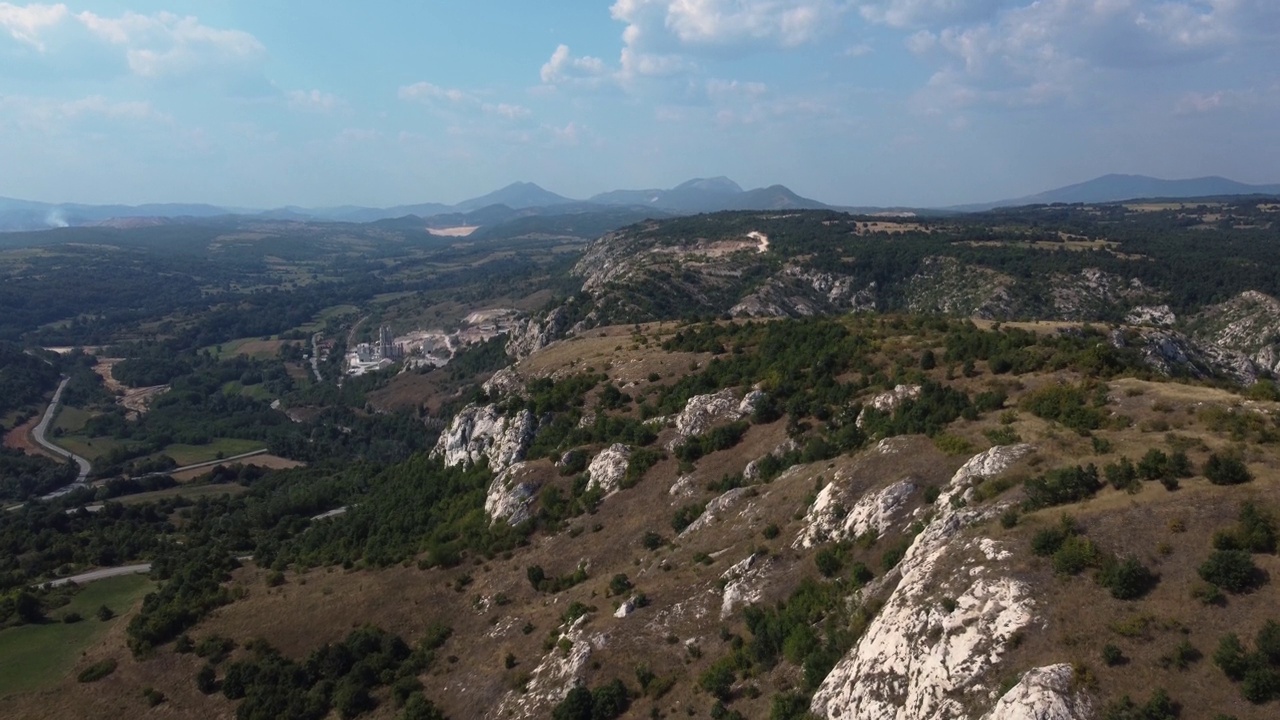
<point x="1127" y="579"/>
<point x="685" y="516"/>
<point x="1112" y="655"/>
<point x="97" y="671"/>
<point x="1232" y="570"/>
<point x="1226" y="470"/>
<point x="1062" y="486"/>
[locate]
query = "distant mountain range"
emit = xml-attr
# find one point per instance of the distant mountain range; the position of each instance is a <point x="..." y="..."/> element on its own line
<point x="1114" y="188"/>
<point x="516" y="200"/>
<point x="524" y="200"/>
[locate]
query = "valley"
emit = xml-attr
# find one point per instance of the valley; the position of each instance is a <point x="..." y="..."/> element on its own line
<point x="784" y="463"/>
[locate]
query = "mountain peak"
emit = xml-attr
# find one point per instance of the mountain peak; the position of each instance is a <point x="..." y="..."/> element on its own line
<point x="718" y="184"/>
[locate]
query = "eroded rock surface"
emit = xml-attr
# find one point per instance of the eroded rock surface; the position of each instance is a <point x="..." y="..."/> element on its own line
<point x="609" y="468"/>
<point x="556" y="674"/>
<point x="827" y="520"/>
<point x="889" y="400"/>
<point x="918" y="661"/>
<point x="510" y="495"/>
<point x="483" y="432"/>
<point x="702" y="412"/>
<point x="1045" y="693"/>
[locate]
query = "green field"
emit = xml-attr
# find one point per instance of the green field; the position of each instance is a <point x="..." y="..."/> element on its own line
<point x="85" y="446"/>
<point x="33" y="657"/>
<point x="70" y="419"/>
<point x="216" y="450"/>
<point x="186" y="491"/>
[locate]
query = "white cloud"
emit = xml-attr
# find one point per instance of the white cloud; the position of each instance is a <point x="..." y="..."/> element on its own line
<point x="661" y="35"/>
<point x="784" y="23"/>
<point x="564" y="67"/>
<point x="461" y="101"/>
<point x="425" y="92"/>
<point x="1022" y="52"/>
<point x="25" y="23"/>
<point x="313" y="100"/>
<point x="167" y="44"/>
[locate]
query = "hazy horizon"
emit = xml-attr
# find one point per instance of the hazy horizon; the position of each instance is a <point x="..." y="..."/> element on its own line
<point x="922" y="103"/>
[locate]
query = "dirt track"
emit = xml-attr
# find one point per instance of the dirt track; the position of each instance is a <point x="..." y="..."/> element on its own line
<point x="19" y="438"/>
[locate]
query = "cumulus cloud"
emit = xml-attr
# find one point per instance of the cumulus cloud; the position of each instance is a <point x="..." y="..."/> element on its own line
<point x="564" y="67"/>
<point x="168" y="44"/>
<point x="25" y="23"/>
<point x="661" y="36"/>
<point x="425" y="91"/>
<point x="1022" y="52"/>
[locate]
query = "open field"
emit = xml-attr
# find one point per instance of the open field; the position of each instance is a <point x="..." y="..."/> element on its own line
<point x="273" y="462"/>
<point x="224" y="447"/>
<point x="190" y="492"/>
<point x="33" y="657"/>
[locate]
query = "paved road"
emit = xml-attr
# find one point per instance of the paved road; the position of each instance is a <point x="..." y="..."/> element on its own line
<point x="102" y="574"/>
<point x="38" y="434"/>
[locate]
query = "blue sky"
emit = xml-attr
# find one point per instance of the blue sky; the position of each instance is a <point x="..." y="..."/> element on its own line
<point x="866" y="102"/>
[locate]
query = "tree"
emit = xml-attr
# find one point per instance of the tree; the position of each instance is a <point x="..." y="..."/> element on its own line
<point x="1226" y="470"/>
<point x="28" y="609"/>
<point x="1231" y="570"/>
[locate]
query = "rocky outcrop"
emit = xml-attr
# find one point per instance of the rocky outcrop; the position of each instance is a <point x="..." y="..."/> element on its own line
<point x="557" y="673"/>
<point x="507" y="382"/>
<point x="742" y="584"/>
<point x="609" y="468"/>
<point x="1156" y="315"/>
<point x="946" y="285"/>
<point x="889" y="400"/>
<point x="703" y="412"/>
<point x="510" y="495"/>
<point x="531" y="335"/>
<point x="1092" y="293"/>
<point x="918" y="660"/>
<point x="804" y="292"/>
<point x="714" y="510"/>
<point x="1172" y="353"/>
<point x="1046" y="693"/>
<point x="1247" y="325"/>
<point x="752" y="470"/>
<point x="827" y="520"/>
<point x="483" y="432"/>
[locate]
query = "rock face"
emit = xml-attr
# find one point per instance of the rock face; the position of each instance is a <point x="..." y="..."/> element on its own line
<point x="1044" y="693"/>
<point x="1157" y="315"/>
<point x="1248" y="325"/>
<point x="483" y="432"/>
<point x="557" y="673"/>
<point x="507" y="382"/>
<point x="1091" y="292"/>
<point x="752" y="470"/>
<point x="874" y="512"/>
<point x="715" y="510"/>
<point x="742" y="584"/>
<point x="917" y="661"/>
<point x="704" y="411"/>
<point x="890" y="400"/>
<point x="533" y="335"/>
<point x="609" y="468"/>
<point x="510" y="495"/>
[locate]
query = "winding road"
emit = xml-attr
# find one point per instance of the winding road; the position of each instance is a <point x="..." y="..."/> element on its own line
<point x="38" y="434"/>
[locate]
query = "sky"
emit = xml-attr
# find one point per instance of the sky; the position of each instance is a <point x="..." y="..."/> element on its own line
<point x="315" y="103"/>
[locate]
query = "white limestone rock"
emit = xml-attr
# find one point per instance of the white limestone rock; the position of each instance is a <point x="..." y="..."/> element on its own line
<point x="742" y="584"/>
<point x="889" y="400"/>
<point x="507" y="382"/>
<point x="874" y="512"/>
<point x="714" y="510"/>
<point x="752" y="470"/>
<point x="1157" y="315"/>
<point x="609" y="468"/>
<point x="702" y="412"/>
<point x="556" y="674"/>
<point x="483" y="432"/>
<point x="1044" y="693"/>
<point x="531" y="336"/>
<point x="510" y="495"/>
<point x="916" y="661"/>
